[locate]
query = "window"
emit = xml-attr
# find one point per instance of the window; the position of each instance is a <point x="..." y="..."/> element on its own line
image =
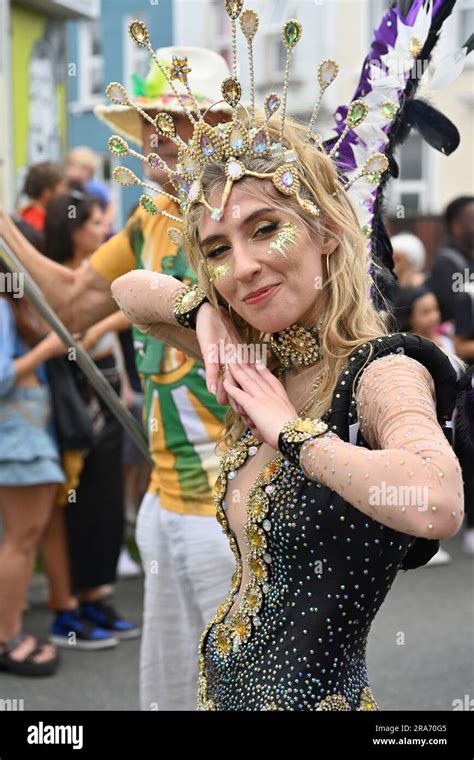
<point x="413" y="189"/>
<point x="276" y="54"/>
<point x="91" y="81"/>
<point x="136" y="60"/>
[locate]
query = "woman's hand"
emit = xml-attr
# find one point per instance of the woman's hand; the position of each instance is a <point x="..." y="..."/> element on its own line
<point x="218" y="338"/>
<point x="261" y="397"/>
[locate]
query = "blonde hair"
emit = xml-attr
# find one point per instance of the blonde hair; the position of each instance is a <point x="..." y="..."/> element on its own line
<point x="85" y="157"/>
<point x="350" y="318"/>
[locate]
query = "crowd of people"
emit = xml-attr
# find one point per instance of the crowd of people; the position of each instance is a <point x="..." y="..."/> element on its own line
<point x="56" y="494"/>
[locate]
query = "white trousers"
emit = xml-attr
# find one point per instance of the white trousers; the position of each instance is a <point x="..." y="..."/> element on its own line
<point x="188" y="566"/>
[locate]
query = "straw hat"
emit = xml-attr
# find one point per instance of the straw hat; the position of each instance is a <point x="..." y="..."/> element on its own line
<point x="208" y="70"/>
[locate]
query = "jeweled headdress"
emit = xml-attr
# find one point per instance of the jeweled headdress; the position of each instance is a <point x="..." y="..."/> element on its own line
<point x="239" y="140"/>
<point x="366" y="130"/>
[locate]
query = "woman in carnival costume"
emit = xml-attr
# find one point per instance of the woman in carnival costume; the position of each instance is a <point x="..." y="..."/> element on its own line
<point x="337" y="468"/>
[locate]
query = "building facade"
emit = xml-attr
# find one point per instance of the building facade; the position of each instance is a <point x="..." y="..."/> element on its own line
<point x="103" y="53"/>
<point x="34" y="84"/>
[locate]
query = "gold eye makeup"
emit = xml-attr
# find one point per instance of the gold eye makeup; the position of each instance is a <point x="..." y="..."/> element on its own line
<point x="214" y="252"/>
<point x="265" y="227"/>
<point x="287" y="236"/>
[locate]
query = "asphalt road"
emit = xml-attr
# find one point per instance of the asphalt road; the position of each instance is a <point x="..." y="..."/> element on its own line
<point x="420" y="650"/>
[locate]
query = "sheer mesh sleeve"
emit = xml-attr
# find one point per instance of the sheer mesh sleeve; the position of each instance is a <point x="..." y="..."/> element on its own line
<point x="411" y="480"/>
<point x="146" y="298"/>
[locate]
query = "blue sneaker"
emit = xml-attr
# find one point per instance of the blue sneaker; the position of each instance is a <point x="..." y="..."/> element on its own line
<point x="73" y="630"/>
<point x="107" y="617"/>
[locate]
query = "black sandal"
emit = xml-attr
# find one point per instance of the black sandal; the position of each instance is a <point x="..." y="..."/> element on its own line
<point x="28" y="666"/>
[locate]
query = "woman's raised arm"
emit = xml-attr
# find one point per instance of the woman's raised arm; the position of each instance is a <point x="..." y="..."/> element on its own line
<point x="146" y="298"/>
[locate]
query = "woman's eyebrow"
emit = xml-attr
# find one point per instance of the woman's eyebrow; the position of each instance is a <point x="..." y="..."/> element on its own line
<point x="218" y="235"/>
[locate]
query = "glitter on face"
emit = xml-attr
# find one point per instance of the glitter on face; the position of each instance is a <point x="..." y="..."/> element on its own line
<point x="217" y="271"/>
<point x="288" y="235"/>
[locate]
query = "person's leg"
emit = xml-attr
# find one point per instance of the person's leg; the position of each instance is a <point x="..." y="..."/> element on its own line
<point x="56" y="562"/>
<point x="210" y="564"/>
<point x="25" y="511"/>
<point x="167" y="653"/>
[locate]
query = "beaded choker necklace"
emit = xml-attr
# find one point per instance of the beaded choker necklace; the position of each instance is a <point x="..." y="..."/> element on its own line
<point x="296" y="346"/>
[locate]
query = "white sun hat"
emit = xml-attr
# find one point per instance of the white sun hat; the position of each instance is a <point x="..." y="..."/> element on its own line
<point x="208" y="71"/>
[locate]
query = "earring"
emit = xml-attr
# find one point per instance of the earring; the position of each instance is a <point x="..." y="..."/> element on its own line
<point x="237" y="320"/>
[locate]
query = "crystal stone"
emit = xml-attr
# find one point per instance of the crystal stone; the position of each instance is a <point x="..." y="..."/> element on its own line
<point x="356" y="113"/>
<point x="240" y="626"/>
<point x="292" y="33"/>
<point x="271" y="104"/>
<point x="259" y="142"/>
<point x="223" y="641"/>
<point x="125" y="176"/>
<point x="206" y="145"/>
<point x="194" y="190"/>
<point x="165" y="125"/>
<point x="154" y="160"/>
<point x="287" y="179"/>
<point x="249" y="24"/>
<point x="118" y="145"/>
<point x="117" y="94"/>
<point x="232" y="91"/>
<point x="233" y="8"/>
<point x="182" y="184"/>
<point x="377" y="163"/>
<point x="327" y="72"/>
<point x="189" y="164"/>
<point x="257" y="568"/>
<point x="235" y="170"/>
<point x="175" y="236"/>
<point x="236" y="139"/>
<point x="147" y="205"/>
<point x="389" y="109"/>
<point x="255" y="538"/>
<point x="139" y="33"/>
<point x="253" y="599"/>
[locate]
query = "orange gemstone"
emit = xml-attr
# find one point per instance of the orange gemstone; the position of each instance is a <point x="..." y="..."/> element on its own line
<point x="257" y="568"/>
<point x="241" y="626"/>
<point x="253" y="598"/>
<point x="223" y="641"/>
<point x="255" y="537"/>
<point x="258" y="506"/>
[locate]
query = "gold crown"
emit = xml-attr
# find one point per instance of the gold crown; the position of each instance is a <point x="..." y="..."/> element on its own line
<point x="233" y="143"/>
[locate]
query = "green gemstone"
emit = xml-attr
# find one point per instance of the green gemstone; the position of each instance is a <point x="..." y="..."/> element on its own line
<point x="356" y="113"/>
<point x="373" y="178"/>
<point x="292" y="33"/>
<point x="147" y="205"/>
<point x="118" y="146"/>
<point x="389" y="109"/>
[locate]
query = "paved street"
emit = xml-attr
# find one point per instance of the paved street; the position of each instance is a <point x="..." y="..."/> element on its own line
<point x="432" y="608"/>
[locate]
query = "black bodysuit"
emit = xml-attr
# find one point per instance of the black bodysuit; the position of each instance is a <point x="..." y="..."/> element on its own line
<point x="319" y="571"/>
